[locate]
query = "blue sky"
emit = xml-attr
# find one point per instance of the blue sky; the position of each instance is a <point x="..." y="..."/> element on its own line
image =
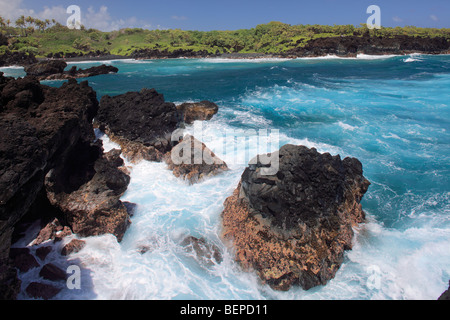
<point x="233" y="14"/>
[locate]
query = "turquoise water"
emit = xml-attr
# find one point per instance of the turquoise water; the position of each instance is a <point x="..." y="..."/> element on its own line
<point x="392" y="113"/>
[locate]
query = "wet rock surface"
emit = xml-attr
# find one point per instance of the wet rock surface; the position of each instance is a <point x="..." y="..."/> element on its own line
<point x="54" y="70"/>
<point x="292" y="227"/>
<point x="48" y="152"/>
<point x="193" y="160"/>
<point x="192" y="111"/>
<point x="140" y="122"/>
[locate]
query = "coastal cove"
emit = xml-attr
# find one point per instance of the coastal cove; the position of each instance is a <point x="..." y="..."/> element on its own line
<point x="391" y="112"/>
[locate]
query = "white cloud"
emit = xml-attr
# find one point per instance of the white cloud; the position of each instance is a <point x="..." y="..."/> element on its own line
<point x="13" y="9"/>
<point x="434" y="18"/>
<point x="99" y="19"/>
<point x="397" y="19"/>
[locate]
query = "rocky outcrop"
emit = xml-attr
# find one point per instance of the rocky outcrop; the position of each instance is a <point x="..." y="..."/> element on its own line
<point x="140" y="122"/>
<point x="446" y="294"/>
<point x="73" y="246"/>
<point x="203" y="110"/>
<point x="54" y="70"/>
<point x="46" y="68"/>
<point x="193" y="161"/>
<point x="94" y="207"/>
<point x="165" y="54"/>
<point x="17" y="59"/>
<point x="44" y="291"/>
<point x="145" y="126"/>
<point x="206" y="253"/>
<point x="48" y="151"/>
<point x="350" y="46"/>
<point x="292" y="227"/>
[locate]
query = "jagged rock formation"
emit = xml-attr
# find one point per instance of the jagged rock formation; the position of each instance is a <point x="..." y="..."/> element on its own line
<point x="292" y="227"/>
<point x="48" y="151"/>
<point x="54" y="70"/>
<point x="207" y="253"/>
<point x="203" y="110"/>
<point x="140" y="122"/>
<point x="145" y="126"/>
<point x="446" y="294"/>
<point x="165" y="54"/>
<point x="193" y="160"/>
<point x="350" y="46"/>
<point x="17" y="59"/>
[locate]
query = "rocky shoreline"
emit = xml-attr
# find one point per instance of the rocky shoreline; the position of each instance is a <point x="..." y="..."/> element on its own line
<point x="290" y="227"/>
<point x="344" y="46"/>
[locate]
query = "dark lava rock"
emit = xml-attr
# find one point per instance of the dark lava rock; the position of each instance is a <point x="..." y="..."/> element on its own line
<point x="446" y="294"/>
<point x="54" y="70"/>
<point x="52" y="272"/>
<point x="165" y="54"/>
<point x="293" y="226"/>
<point x="92" y="208"/>
<point x="48" y="151"/>
<point x="17" y="59"/>
<point x="350" y="46"/>
<point x="43" y="252"/>
<point x="73" y="246"/>
<point x="23" y="259"/>
<point x="44" y="291"/>
<point x="203" y="110"/>
<point x="83" y="73"/>
<point x="46" y="68"/>
<point x="193" y="161"/>
<point x="140" y="122"/>
<point x="206" y="253"/>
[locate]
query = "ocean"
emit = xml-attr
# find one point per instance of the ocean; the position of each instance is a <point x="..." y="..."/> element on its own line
<point x="390" y="112"/>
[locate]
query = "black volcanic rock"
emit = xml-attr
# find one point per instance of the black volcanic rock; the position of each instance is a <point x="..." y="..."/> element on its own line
<point x="353" y="45"/>
<point x="141" y="122"/>
<point x="44" y="291"/>
<point x="54" y="70"/>
<point x="165" y="54"/>
<point x="17" y="59"/>
<point x="446" y="294"/>
<point x="91" y="205"/>
<point x="194" y="161"/>
<point x="192" y="111"/>
<point x="46" y="68"/>
<point x="48" y="149"/>
<point x="293" y="226"/>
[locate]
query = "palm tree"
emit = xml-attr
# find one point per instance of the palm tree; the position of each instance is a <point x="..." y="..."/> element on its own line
<point x="20" y="23"/>
<point x="29" y="20"/>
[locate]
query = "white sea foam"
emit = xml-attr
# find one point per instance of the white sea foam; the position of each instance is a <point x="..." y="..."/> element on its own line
<point x="360" y="56"/>
<point x="246" y="60"/>
<point x="346" y="126"/>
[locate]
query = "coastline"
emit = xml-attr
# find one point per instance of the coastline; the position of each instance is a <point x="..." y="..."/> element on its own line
<point x="236" y="56"/>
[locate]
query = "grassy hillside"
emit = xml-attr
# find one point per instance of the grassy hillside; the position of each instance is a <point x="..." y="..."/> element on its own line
<point x="275" y="37"/>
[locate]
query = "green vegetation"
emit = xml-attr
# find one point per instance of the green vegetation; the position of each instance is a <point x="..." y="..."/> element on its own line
<point x="49" y="37"/>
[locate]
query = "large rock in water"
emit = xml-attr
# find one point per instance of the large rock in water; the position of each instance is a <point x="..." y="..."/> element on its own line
<point x="193" y="161"/>
<point x="203" y="110"/>
<point x="292" y="227"/>
<point x="54" y="70"/>
<point x="45" y="68"/>
<point x="142" y="123"/>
